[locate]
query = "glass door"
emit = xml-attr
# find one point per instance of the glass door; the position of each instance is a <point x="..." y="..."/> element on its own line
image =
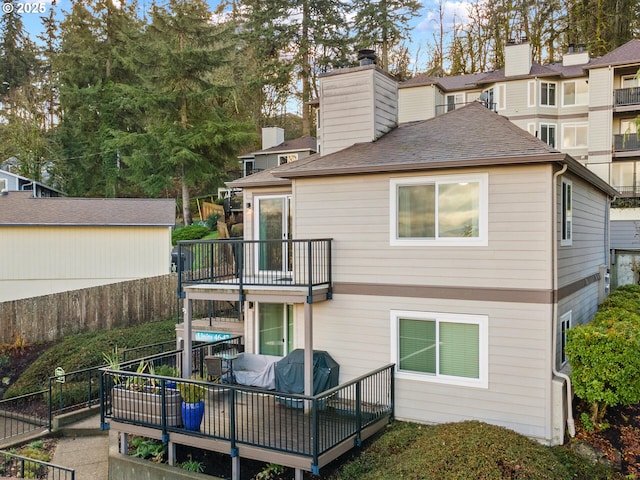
<point x="273" y="224"/>
<point x="275" y="329"/>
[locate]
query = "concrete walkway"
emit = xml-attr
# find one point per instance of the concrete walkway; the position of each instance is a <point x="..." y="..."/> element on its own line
<point x="85" y="448"/>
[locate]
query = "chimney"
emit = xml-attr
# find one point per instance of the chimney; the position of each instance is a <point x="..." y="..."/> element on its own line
<point x="573" y="57"/>
<point x="357" y="104"/>
<point x="517" y="59"/>
<point x="367" y="57"/>
<point x="272" y="136"/>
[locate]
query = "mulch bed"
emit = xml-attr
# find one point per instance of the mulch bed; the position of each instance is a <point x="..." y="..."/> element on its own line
<point x="620" y="442"/>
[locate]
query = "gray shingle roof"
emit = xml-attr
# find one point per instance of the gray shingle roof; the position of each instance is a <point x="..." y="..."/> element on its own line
<point x="627" y="53"/>
<point x="471" y="135"/>
<point x="22" y="209"/>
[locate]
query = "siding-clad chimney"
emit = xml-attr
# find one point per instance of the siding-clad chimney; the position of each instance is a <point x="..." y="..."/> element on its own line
<point x="573" y="57"/>
<point x="358" y="104"/>
<point x="517" y="59"/>
<point x="272" y="136"/>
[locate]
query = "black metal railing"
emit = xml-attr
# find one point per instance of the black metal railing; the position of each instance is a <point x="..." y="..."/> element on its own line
<point x="23" y="414"/>
<point x="627" y="96"/>
<point x="626" y="142"/>
<point x="449" y="107"/>
<point x="13" y="465"/>
<point x="282" y="263"/>
<point x="299" y="425"/>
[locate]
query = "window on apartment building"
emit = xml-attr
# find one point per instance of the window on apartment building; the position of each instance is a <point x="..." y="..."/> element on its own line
<point x="574" y="135"/>
<point x="629" y="81"/>
<point x="446" y="210"/>
<point x="575" y="92"/>
<point x="282" y="159"/>
<point x="440" y="347"/>
<point x="494" y="98"/>
<point x="548" y="134"/>
<point x="627" y="127"/>
<point x="455" y="101"/>
<point x="548" y="94"/>
<point x="565" y="325"/>
<point x="566" y="212"/>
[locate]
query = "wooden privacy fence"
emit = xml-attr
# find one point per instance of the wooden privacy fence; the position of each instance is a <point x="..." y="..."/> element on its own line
<point x="51" y="317"/>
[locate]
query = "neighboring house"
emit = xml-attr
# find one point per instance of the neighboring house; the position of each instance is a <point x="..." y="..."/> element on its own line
<point x="276" y="151"/>
<point x="462" y="249"/>
<point x="13" y="183"/>
<point x="51" y="245"/>
<point x="582" y="106"/>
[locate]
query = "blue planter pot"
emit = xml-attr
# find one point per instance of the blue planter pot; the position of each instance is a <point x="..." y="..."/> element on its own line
<point x="192" y="414"/>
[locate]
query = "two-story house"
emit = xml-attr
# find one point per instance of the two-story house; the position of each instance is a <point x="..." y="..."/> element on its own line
<point x="461" y="250"/>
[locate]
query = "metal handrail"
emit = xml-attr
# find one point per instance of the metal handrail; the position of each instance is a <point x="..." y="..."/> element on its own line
<point x="27" y="467"/>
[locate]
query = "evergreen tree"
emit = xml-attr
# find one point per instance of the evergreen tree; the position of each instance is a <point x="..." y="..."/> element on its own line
<point x="382" y="25"/>
<point x="188" y="136"/>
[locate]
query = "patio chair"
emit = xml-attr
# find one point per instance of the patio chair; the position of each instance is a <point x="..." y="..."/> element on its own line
<point x="215" y="370"/>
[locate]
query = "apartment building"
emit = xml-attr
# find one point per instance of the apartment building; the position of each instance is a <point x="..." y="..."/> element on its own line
<point x="585" y="107"/>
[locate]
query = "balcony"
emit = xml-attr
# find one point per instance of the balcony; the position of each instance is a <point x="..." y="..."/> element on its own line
<point x="297" y="431"/>
<point x="242" y="267"/>
<point x="626" y="99"/>
<point x="626" y="145"/>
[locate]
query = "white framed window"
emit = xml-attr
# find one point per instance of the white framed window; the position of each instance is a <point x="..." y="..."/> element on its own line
<point x="566" y="237"/>
<point x="531" y="94"/>
<point x="440" y="347"/>
<point x="565" y="325"/>
<point x="249" y="166"/>
<point x="547" y="94"/>
<point x="575" y="135"/>
<point x="629" y="81"/>
<point x="548" y="133"/>
<point x="3" y="184"/>
<point x="575" y="92"/>
<point x="282" y="159"/>
<point x="627" y="127"/>
<point x="454" y="101"/>
<point x="439" y="211"/>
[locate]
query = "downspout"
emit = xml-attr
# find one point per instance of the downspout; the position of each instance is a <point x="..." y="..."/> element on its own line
<point x="571" y="426"/>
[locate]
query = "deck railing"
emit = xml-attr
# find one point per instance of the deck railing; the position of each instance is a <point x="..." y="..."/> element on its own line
<point x="241" y="263"/>
<point x="300" y="425"/>
<point x="627" y="96"/>
<point x="626" y="142"/>
<point x="24" y="414"/>
<point x="13" y="465"/>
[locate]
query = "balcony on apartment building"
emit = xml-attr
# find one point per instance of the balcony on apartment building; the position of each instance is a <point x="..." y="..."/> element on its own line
<point x="626" y="145"/>
<point x="246" y="268"/>
<point x="626" y="99"/>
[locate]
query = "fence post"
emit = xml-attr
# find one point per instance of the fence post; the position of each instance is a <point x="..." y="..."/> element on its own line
<point x="50" y="406"/>
<point x="358" y="439"/>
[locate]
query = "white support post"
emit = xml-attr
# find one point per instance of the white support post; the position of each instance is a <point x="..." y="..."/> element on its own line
<point x="124" y="443"/>
<point x="235" y="468"/>
<point x="171" y="452"/>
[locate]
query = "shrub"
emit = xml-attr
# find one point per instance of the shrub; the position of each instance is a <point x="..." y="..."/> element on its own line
<point x="454" y="451"/>
<point x="190" y="232"/>
<point x="605" y="365"/>
<point x="626" y="297"/>
<point x="212" y="221"/>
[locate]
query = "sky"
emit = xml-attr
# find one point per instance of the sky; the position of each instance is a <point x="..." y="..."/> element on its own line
<point x="424" y="27"/>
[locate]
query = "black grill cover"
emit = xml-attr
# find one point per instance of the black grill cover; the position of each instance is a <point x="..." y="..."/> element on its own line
<point x="290" y="372"/>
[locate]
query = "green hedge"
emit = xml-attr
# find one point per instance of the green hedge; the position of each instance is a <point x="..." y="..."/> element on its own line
<point x="190" y="232"/>
<point x="603" y="354"/>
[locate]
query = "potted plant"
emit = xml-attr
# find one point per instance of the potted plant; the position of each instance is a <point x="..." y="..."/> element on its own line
<point x="193" y="395"/>
<point x="167" y="371"/>
<point x="139" y="399"/>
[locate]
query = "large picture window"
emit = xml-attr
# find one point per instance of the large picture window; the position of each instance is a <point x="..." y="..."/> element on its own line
<point x="447" y="210"/>
<point x="574" y="135"/>
<point x="440" y="347"/>
<point x="575" y="92"/>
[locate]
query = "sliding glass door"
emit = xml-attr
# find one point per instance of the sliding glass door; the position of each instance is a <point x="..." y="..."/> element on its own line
<point x="275" y="329"/>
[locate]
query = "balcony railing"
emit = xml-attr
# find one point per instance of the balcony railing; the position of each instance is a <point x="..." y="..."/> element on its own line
<point x="243" y="263"/>
<point x="627" y="142"/>
<point x="627" y="96"/>
<point x="310" y="431"/>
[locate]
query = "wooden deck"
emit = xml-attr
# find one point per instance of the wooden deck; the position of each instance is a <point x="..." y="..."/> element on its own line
<point x="275" y="428"/>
